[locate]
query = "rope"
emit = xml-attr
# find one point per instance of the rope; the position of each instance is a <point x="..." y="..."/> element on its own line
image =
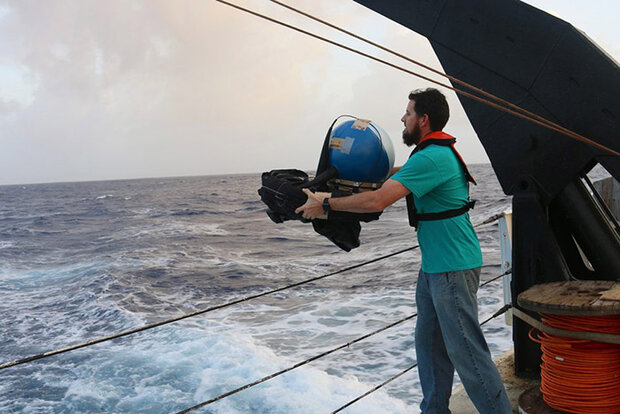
<point x="422" y="65"/>
<point x="299" y="364"/>
<point x="547" y="124"/>
<point x="577" y="375"/>
<point x="367" y="393"/>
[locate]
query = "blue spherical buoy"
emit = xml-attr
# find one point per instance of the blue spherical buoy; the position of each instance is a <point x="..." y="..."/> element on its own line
<point x="361" y="151"/>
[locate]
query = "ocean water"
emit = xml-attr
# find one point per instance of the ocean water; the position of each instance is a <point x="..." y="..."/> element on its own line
<point x="84" y="260"/>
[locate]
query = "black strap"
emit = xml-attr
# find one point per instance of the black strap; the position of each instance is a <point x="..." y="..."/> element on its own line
<point x="414" y="216"/>
<point x="324" y="158"/>
<point x="446" y="214"/>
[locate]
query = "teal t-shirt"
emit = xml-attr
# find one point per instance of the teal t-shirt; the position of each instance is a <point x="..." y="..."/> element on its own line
<point x="437" y="182"/>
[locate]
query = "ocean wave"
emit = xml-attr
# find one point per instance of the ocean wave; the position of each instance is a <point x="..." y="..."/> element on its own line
<point x="5" y="244"/>
<point x="188" y="212"/>
<point x="173" y="249"/>
<point x="47" y="275"/>
<point x="174" y="369"/>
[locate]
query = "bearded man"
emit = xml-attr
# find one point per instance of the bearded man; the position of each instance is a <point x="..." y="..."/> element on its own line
<point x="435" y="181"/>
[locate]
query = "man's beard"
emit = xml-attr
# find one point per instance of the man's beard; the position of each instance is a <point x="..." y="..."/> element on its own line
<point x="412" y="138"/>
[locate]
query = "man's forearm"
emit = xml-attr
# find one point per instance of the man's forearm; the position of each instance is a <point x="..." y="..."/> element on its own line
<point x="367" y="202"/>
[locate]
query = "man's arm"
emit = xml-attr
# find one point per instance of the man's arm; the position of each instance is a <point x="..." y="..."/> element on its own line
<point x="367" y="202"/>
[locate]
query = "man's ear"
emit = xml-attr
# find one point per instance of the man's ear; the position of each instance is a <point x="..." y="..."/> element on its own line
<point x="425" y="119"/>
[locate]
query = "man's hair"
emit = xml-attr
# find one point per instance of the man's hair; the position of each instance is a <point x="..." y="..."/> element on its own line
<point x="431" y="102"/>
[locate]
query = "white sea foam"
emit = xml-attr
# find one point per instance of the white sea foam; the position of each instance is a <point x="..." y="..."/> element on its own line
<point x="174" y="228"/>
<point x="177" y="368"/>
<point x="4" y="244"/>
<point x="47" y="275"/>
<point x="150" y="265"/>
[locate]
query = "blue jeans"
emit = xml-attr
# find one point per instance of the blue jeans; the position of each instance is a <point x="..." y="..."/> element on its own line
<point x="448" y="337"/>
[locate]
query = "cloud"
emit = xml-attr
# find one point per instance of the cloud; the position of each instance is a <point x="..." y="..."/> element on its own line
<point x="122" y="89"/>
<point x="160" y="88"/>
<point x="145" y="85"/>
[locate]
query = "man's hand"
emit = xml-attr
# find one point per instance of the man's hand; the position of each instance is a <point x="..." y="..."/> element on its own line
<point x="313" y="208"/>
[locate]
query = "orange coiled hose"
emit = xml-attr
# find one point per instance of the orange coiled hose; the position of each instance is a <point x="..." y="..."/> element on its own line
<point x="580" y="376"/>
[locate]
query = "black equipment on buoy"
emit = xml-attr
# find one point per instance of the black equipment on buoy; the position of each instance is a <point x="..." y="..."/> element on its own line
<point x="357" y="156"/>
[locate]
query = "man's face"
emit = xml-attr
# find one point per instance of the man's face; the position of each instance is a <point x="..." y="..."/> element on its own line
<point x="411" y="133"/>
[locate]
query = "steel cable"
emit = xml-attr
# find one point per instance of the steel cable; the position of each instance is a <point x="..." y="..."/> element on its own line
<point x="422" y="65"/>
<point x="314" y="358"/>
<point x="192" y="314"/>
<point x="299" y="364"/>
<point x="501" y="311"/>
<point x="546" y="124"/>
<point x="331" y="351"/>
<point x="210" y="309"/>
<point x="507" y="272"/>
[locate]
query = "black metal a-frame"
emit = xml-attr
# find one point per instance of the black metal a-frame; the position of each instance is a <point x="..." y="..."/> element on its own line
<point x="544" y="65"/>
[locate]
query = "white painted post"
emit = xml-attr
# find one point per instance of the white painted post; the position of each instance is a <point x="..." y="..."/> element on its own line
<point x="505" y="239"/>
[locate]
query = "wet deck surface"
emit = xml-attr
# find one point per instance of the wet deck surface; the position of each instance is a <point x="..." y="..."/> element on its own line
<point x="461" y="404"/>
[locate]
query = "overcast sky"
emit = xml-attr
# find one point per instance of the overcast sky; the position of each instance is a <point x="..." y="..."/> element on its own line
<point x="93" y="90"/>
